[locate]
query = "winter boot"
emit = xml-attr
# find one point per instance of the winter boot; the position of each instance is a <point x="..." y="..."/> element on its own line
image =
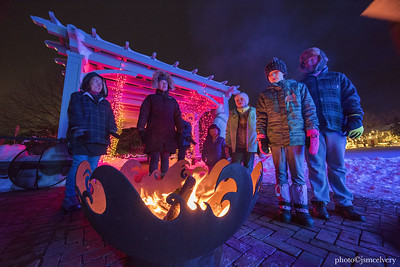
<point x="283" y="194"/>
<point x="70" y="203"/>
<point x="319" y="210"/>
<point x="299" y="196"/>
<point x="350" y="213"/>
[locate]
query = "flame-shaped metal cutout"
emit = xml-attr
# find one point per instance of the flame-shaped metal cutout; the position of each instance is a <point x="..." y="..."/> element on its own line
<point x="124" y="221"/>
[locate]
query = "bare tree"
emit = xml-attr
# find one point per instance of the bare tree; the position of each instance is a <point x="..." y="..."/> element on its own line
<point x="34" y="104"/>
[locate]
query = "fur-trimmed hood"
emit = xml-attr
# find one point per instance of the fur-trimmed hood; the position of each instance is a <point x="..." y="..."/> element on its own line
<point x="85" y="85"/>
<point x="310" y="52"/>
<point x="159" y="75"/>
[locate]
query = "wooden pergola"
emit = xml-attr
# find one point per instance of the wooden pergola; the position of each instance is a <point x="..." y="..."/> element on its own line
<point x="128" y="75"/>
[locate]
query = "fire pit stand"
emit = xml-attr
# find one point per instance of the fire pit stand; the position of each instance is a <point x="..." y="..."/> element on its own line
<point x="115" y="209"/>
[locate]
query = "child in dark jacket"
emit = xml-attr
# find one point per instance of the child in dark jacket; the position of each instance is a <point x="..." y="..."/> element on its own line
<point x="213" y="147"/>
<point x="186" y="140"/>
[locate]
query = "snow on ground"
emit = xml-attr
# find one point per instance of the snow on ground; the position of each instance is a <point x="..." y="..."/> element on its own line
<point x="372" y="173"/>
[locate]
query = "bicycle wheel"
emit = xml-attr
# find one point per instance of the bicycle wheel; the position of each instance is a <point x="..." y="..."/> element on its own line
<point x="40" y="171"/>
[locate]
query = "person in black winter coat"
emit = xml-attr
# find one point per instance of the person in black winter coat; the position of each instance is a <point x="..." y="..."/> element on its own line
<point x="186" y="140"/>
<point x="90" y="123"/>
<point x="213" y="147"/>
<point x="159" y="122"/>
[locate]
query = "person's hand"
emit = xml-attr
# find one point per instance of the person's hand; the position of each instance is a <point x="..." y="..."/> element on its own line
<point x="142" y="135"/>
<point x="260" y="136"/>
<point x="313" y="141"/>
<point x="228" y="152"/>
<point x="354" y="128"/>
<point x="115" y="135"/>
<point x="356" y="133"/>
<point x="263" y="143"/>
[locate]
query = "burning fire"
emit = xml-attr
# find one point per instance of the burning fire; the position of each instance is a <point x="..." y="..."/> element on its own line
<point x="201" y="193"/>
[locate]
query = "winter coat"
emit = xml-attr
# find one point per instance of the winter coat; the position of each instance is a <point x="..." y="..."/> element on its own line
<point x="158" y="117"/>
<point x="285" y="111"/>
<point x="232" y="127"/>
<point x="213" y="152"/>
<point x="89" y="121"/>
<point x="221" y="121"/>
<point x="186" y="134"/>
<point x="335" y="98"/>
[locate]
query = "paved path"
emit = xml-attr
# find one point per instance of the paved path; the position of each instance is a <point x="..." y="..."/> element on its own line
<point x="34" y="232"/>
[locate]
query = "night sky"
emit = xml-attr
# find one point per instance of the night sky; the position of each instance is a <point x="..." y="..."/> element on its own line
<point x="233" y="40"/>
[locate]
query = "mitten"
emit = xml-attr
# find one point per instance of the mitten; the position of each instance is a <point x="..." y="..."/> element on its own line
<point x="263" y="143"/>
<point x="142" y="136"/>
<point x="313" y="141"/>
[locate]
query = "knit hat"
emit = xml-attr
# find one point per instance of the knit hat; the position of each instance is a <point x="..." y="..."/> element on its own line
<point x="276" y="64"/>
<point x="244" y="95"/>
<point x="85" y="85"/>
<point x="312" y="52"/>
<point x="162" y="75"/>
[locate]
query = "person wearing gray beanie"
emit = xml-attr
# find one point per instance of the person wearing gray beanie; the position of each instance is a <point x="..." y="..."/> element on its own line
<point x="340" y="114"/>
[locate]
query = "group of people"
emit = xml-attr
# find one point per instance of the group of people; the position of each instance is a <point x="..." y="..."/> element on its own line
<point x="318" y="113"/>
<point x="296" y="121"/>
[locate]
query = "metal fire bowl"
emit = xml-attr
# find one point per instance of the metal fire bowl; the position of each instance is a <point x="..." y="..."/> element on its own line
<point x="116" y="211"/>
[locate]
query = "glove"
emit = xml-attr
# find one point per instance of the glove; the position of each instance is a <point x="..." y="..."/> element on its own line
<point x="312" y="141"/>
<point x="179" y="137"/>
<point x="115" y="135"/>
<point x="263" y="143"/>
<point x="142" y="136"/>
<point x="228" y="152"/>
<point x="354" y="128"/>
<point x="356" y="133"/>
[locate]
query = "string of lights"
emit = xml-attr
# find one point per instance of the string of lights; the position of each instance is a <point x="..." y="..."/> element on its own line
<point x="117" y="108"/>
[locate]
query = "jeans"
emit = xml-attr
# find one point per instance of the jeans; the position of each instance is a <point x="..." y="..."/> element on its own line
<point x="71" y="177"/>
<point x="292" y="156"/>
<point x="241" y="155"/>
<point x="332" y="146"/>
<point x="155" y="157"/>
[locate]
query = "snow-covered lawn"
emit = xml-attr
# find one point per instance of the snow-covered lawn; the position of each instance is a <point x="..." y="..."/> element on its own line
<point x="372" y="174"/>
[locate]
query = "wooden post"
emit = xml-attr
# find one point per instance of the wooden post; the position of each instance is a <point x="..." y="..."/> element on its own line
<point x="71" y="84"/>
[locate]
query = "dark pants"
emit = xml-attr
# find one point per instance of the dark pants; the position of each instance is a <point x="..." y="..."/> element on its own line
<point x="182" y="152"/>
<point x="241" y="155"/>
<point x="155" y="157"/>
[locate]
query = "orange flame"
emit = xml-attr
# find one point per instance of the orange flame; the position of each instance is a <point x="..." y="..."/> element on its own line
<point x="203" y="192"/>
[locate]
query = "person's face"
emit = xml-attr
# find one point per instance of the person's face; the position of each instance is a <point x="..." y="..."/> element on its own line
<point x="240" y="101"/>
<point x="214" y="132"/>
<point x="275" y="76"/>
<point x="163" y="85"/>
<point x="311" y="63"/>
<point x="96" y="85"/>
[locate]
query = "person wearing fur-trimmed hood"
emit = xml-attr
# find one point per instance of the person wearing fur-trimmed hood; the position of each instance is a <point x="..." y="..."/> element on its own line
<point x="340" y="114"/>
<point x="90" y="123"/>
<point x="159" y="122"/>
